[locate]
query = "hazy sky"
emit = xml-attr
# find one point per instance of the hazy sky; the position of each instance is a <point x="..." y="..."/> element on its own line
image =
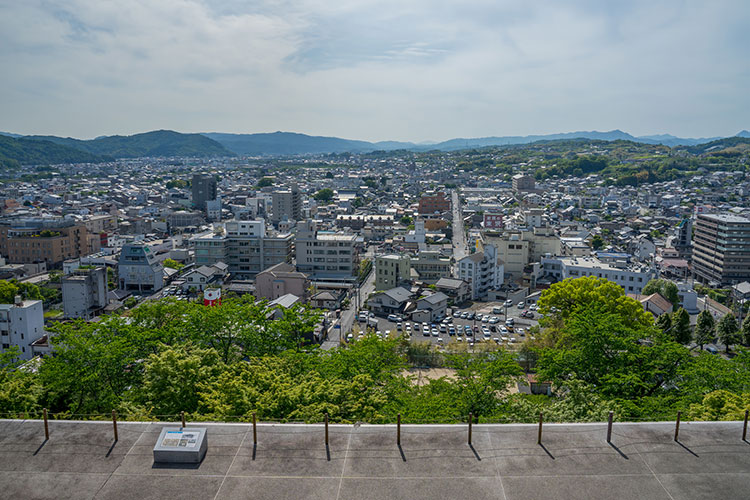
<point x="404" y="70"/>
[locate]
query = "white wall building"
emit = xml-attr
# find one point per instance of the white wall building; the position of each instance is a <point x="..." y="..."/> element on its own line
<point x="482" y="271"/>
<point x="21" y="324"/>
<point x="632" y="278"/>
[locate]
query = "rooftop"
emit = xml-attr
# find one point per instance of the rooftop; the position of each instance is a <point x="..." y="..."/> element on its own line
<point x="435" y="462"/>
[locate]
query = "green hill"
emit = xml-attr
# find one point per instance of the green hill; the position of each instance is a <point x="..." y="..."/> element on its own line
<point x="20" y="151"/>
<point x="156" y="143"/>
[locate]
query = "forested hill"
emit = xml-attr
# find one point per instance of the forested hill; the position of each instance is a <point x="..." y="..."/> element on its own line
<point x="155" y="143"/>
<point x="20" y="151"/>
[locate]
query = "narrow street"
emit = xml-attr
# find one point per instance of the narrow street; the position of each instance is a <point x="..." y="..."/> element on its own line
<point x="459" y="235"/>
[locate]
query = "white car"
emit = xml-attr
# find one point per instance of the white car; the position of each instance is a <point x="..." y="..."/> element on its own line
<point x="508" y="303"/>
<point x="520" y="332"/>
<point x="521" y="305"/>
<point x="532" y="307"/>
<point x="399" y="326"/>
<point x="494" y="320"/>
<point x="485" y="319"/>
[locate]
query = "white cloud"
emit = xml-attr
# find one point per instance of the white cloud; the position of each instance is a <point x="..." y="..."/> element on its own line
<point x="374" y="70"/>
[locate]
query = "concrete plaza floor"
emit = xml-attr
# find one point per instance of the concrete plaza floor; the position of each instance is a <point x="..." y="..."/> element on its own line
<point x="434" y="462"/>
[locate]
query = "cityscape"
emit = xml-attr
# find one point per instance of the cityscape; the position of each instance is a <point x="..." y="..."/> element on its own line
<point x="374" y="250"/>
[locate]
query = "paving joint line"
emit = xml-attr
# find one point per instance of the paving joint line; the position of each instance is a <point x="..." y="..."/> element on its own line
<point x="497" y="467"/>
<point x="112" y="473"/>
<point x="236" y="454"/>
<point x="654" y="474"/>
<point x="343" y="466"/>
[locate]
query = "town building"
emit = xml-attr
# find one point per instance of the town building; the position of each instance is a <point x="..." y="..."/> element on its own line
<point x="42" y="239"/>
<point x="204" y="189"/>
<point x="482" y="271"/>
<point x="286" y="204"/>
<point x="435" y="203"/>
<point x="631" y="277"/>
<point x="523" y="182"/>
<point x="326" y="254"/>
<point x="430" y="265"/>
<point x="139" y="270"/>
<point x="203" y="277"/>
<point x="84" y="292"/>
<point x="279" y="280"/>
<point x="21" y="323"/>
<point x="721" y="249"/>
<point x="244" y="246"/>
<point x="391" y="271"/>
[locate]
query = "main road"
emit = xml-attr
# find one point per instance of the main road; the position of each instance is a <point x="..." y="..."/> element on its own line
<point x="459" y="234"/>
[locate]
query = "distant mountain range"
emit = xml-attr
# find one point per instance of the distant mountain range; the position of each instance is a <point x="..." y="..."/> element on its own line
<point x="164" y="143"/>
<point x="288" y="143"/>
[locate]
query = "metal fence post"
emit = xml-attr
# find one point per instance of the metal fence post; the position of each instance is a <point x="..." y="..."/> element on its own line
<point x="539" y="436"/>
<point x="114" y="423"/>
<point x="46" y="426"/>
<point x="326" y="422"/>
<point x="609" y="427"/>
<point x="255" y="431"/>
<point x="182" y="418"/>
<point x="677" y="426"/>
<point x="471" y="418"/>
<point x="744" y="427"/>
<point x="398" y="429"/>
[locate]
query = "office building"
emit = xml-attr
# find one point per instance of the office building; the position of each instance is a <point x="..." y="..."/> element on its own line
<point x="631" y="277"/>
<point x="482" y="271"/>
<point x="244" y="246"/>
<point x="204" y="189"/>
<point x="326" y="254"/>
<point x="721" y="249"/>
<point x="48" y="240"/>
<point x="286" y="204"/>
<point x="434" y="203"/>
<point x="138" y="269"/>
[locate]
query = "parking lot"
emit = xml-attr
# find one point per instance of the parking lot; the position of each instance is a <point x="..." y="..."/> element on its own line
<point x="440" y="332"/>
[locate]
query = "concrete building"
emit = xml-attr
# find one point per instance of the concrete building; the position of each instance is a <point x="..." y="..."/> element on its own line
<point x="429" y="266"/>
<point x="84" y="292"/>
<point x="435" y="203"/>
<point x="519" y="248"/>
<point x="279" y="280"/>
<point x="682" y="240"/>
<point x="139" y="270"/>
<point x="204" y="189"/>
<point x="244" y="246"/>
<point x="324" y="254"/>
<point x="523" y="182"/>
<point x="482" y="271"/>
<point x="286" y="204"/>
<point x="48" y="240"/>
<point x="391" y="270"/>
<point x="632" y="278"/>
<point x="721" y="249"/>
<point x="21" y="323"/>
<point x="533" y="218"/>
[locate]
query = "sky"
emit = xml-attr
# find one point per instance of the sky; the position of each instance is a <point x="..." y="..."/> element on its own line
<point x="414" y="70"/>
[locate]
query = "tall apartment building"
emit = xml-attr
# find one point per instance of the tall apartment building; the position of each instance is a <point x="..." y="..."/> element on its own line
<point x="286" y="204"/>
<point x="683" y="239"/>
<point x="721" y="249"/>
<point x="204" y="189"/>
<point x="21" y="323"/>
<point x="325" y="254"/>
<point x="84" y="292"/>
<point x="391" y="271"/>
<point x="482" y="271"/>
<point x="48" y="240"/>
<point x="519" y="248"/>
<point x="138" y="269"/>
<point x="244" y="246"/>
<point x="430" y="204"/>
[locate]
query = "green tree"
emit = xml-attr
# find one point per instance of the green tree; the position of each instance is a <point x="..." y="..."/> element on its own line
<point x="173" y="264"/>
<point x="664" y="322"/>
<point x="705" y="328"/>
<point x="480" y="379"/>
<point x="573" y="293"/>
<point x="746" y="330"/>
<point x="265" y="182"/>
<point x="728" y="331"/>
<point x="325" y="195"/>
<point x="597" y="242"/>
<point x="664" y="287"/>
<point x="20" y="388"/>
<point x="405" y="220"/>
<point x="681" y="327"/>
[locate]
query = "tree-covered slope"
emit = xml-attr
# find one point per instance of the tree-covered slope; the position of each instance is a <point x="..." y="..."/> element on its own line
<point x="20" y="151"/>
<point x="155" y="143"/>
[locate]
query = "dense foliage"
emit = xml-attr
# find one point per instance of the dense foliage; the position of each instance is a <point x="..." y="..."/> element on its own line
<point x="598" y="348"/>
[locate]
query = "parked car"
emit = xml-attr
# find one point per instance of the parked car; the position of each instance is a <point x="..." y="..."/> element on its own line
<point x="393" y="318"/>
<point x="497" y="310"/>
<point x="532" y="307"/>
<point x="508" y="303"/>
<point x="521" y="305"/>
